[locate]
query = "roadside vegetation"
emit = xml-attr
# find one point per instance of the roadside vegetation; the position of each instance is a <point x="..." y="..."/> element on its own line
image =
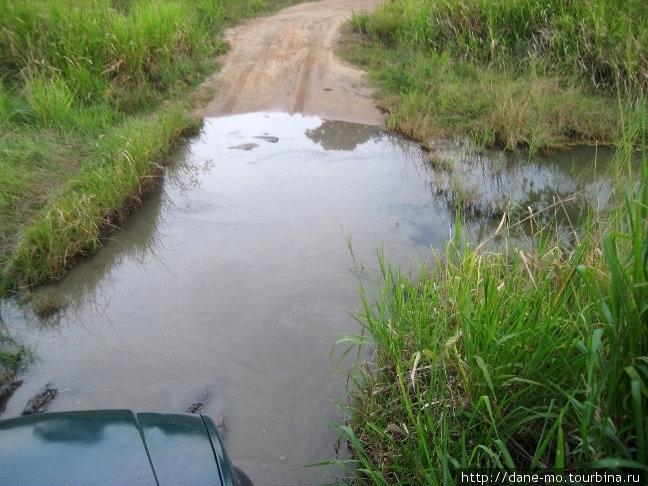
<point x="93" y="95"/>
<point x="534" y="356"/>
<point x="519" y="74"/>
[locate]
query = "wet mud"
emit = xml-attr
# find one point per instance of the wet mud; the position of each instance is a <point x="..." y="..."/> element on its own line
<point x="286" y="62"/>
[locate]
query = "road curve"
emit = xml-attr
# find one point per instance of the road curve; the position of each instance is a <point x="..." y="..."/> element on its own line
<point x="286" y="62"/>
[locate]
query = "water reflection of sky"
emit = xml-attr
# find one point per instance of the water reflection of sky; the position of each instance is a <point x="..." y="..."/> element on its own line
<point x="570" y="183"/>
<point x="234" y="279"/>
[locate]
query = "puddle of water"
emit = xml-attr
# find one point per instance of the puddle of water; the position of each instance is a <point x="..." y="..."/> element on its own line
<point x="559" y="189"/>
<point x="234" y="279"/>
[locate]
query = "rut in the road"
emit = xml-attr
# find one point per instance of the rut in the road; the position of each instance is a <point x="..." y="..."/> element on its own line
<point x="286" y="62"/>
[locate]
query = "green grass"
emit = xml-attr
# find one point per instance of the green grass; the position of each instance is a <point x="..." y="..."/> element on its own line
<point x="526" y="358"/>
<point x="106" y="185"/>
<point x="92" y="97"/>
<point x="533" y="358"/>
<point x="529" y="74"/>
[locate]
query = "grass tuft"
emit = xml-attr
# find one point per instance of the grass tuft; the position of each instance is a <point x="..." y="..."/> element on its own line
<point x="50" y="100"/>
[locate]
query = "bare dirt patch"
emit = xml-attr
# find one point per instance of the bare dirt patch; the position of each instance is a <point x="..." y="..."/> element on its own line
<point x="286" y="62"/>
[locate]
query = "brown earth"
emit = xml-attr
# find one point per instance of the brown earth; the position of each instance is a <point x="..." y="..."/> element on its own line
<point x="286" y="62"/>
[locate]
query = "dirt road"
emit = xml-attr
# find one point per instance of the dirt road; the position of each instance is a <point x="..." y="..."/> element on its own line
<point x="286" y="62"/>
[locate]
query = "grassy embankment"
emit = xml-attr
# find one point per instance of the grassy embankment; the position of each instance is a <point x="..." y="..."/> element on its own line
<point x="93" y="95"/>
<point x="533" y="358"/>
<point x="531" y="74"/>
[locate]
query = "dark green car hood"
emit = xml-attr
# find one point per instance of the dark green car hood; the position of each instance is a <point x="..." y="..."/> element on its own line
<point x="112" y="447"/>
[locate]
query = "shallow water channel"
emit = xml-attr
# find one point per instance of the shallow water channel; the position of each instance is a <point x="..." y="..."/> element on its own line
<point x="232" y="283"/>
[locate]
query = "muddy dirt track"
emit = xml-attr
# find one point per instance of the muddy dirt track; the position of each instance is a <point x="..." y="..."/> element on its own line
<point x="286" y="62"/>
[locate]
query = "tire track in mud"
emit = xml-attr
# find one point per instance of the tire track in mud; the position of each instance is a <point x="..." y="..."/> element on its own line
<point x="304" y="81"/>
<point x="236" y="91"/>
<point x="286" y="62"/>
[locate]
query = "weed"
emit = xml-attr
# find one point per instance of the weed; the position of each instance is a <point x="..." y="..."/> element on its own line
<point x="360" y="22"/>
<point x="13" y="358"/>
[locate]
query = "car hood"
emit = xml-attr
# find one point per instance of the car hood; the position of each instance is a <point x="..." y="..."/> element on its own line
<point x="112" y="447"/>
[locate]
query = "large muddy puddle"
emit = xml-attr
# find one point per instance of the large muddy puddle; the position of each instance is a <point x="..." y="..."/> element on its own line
<point x="232" y="283"/>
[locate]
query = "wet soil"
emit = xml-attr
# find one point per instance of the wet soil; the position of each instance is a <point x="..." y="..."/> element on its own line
<point x="286" y="62"/>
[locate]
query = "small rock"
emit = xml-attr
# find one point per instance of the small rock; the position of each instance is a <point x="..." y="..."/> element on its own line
<point x="244" y="146"/>
<point x="268" y="138"/>
<point x="40" y="401"/>
<point x="195" y="407"/>
<point x="198" y="405"/>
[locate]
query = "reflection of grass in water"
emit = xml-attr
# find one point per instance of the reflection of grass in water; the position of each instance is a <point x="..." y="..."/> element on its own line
<point x="10" y="360"/>
<point x="13" y="358"/>
<point x="483" y="185"/>
<point x="456" y="189"/>
<point x="528" y="358"/>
